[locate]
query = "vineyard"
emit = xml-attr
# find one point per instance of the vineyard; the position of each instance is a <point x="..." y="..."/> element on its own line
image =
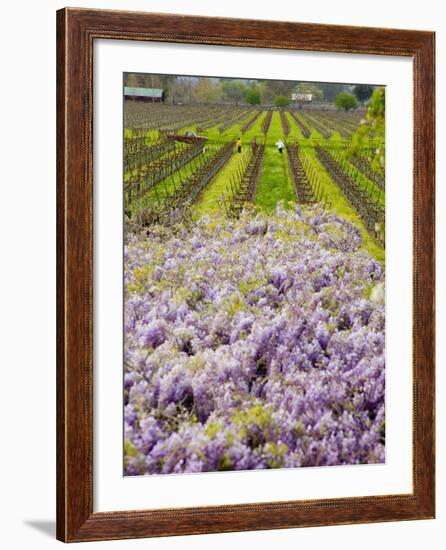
<point x="254" y="287"/>
<point x="167" y="179"/>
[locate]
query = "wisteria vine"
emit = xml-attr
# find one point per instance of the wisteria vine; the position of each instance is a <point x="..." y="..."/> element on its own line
<point x="253" y="343"/>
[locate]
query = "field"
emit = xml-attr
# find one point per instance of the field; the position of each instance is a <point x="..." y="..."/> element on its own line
<point x="165" y="178"/>
<point x="254" y="310"/>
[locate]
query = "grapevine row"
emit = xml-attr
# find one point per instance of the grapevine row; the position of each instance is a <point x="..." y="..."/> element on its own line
<point x="266" y="123"/>
<point x="175" y="203"/>
<point x="364" y="166"/>
<point x="302" y="127"/>
<point x="243" y="188"/>
<point x="138" y="154"/>
<point x="307" y="185"/>
<point x="370" y="210"/>
<point x="285" y="123"/>
<point x="143" y="179"/>
<point x="250" y="122"/>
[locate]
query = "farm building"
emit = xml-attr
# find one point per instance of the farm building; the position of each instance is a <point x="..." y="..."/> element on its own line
<point x="151" y="95"/>
<point x="301" y="99"/>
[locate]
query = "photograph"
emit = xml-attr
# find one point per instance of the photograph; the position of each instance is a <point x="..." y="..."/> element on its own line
<point x="253" y="274"/>
<point x="232" y="326"/>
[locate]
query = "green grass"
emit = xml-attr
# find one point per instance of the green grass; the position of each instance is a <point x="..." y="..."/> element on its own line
<point x="275" y="183"/>
<point x="151" y="135"/>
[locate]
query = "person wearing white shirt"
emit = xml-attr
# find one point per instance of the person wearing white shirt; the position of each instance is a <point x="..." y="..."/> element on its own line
<point x="280" y="145"/>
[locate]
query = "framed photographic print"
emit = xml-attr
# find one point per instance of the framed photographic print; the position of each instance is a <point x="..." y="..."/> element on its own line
<point x="245" y="275"/>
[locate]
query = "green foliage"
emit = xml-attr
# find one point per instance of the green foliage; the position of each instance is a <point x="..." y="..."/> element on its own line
<point x="253" y="95"/>
<point x="363" y="92"/>
<point x="225" y="463"/>
<point x="233" y="90"/>
<point x="376" y="117"/>
<point x="246" y="287"/>
<point x="299" y="429"/>
<point x="278" y="452"/>
<point x="346" y="101"/>
<point x="257" y="414"/>
<point x="282" y="101"/>
<point x="212" y="429"/>
<point x="374" y="125"/>
<point x="377" y="110"/>
<point x="235" y="305"/>
<point x="129" y="449"/>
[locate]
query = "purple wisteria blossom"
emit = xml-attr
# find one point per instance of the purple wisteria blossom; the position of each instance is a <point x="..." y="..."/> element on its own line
<point x="252" y="343"/>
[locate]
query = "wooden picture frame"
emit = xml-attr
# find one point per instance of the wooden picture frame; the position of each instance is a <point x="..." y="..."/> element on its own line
<point x="77" y="29"/>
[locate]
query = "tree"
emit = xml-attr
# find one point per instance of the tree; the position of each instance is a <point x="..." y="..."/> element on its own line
<point x="331" y="90"/>
<point x="372" y="127"/>
<point x="252" y="95"/>
<point x="233" y="90"/>
<point x="377" y="109"/>
<point x="187" y="86"/>
<point x="206" y="91"/>
<point x="346" y="101"/>
<point x="282" y="101"/>
<point x="171" y="86"/>
<point x="134" y="80"/>
<point x="273" y="88"/>
<point x="376" y="118"/>
<point x="363" y="92"/>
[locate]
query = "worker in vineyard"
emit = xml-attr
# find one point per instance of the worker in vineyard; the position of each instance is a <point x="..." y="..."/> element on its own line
<point x="280" y="145"/>
<point x="239" y="145"/>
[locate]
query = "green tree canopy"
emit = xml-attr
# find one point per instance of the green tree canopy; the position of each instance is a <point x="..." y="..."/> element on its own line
<point x="282" y="101"/>
<point x="233" y="90"/>
<point x="346" y="101"/>
<point x="253" y="95"/>
<point x="377" y="110"/>
<point x="372" y="128"/>
<point x="363" y="92"/>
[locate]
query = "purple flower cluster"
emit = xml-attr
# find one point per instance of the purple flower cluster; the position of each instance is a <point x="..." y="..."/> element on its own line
<point x="252" y="343"/>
